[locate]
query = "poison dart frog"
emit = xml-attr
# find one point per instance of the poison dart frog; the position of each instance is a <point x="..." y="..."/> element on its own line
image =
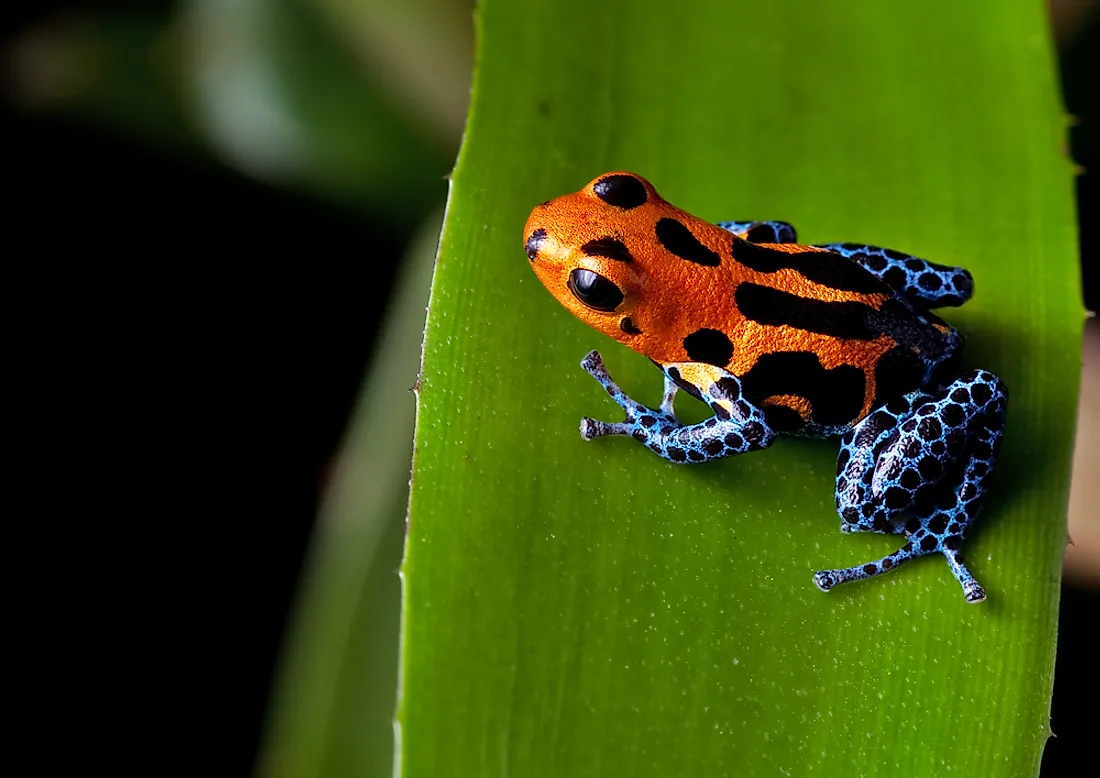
<point x="826" y="341"/>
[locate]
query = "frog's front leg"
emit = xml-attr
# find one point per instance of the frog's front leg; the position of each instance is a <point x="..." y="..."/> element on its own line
<point x="736" y="427"/>
<point x="762" y="232"/>
<point x="918" y="466"/>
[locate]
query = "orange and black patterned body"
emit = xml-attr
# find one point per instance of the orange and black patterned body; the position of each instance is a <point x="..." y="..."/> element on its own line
<point x="817" y="340"/>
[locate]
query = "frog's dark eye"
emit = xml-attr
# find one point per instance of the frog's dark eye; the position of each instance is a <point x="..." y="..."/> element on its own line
<point x="594" y="290"/>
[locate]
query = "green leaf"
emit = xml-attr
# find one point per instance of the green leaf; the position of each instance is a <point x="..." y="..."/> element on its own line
<point x="578" y="608"/>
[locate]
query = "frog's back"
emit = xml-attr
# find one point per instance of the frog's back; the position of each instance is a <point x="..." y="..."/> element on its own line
<point x="823" y="342"/>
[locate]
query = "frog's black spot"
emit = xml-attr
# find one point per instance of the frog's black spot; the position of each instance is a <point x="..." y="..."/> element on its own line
<point x="952" y="415"/>
<point x="621" y="191"/>
<point x="713" y="446"/>
<point x="910" y="449"/>
<point x="981" y="393"/>
<point x="850" y="515"/>
<point x="952" y="542"/>
<point x="611" y="248"/>
<point x="938" y="448"/>
<point x="710" y="346"/>
<point x="842" y="484"/>
<point x="783" y="419"/>
<point x="721" y="411"/>
<point x="744" y="410"/>
<point x="954" y="528"/>
<point x="912" y="525"/>
<point x="961" y="395"/>
<point x="823" y="267"/>
<point x="929" y="282"/>
<point x="930" y="468"/>
<point x="930" y="428"/>
<point x="873" y="262"/>
<point x="914" y="264"/>
<point x="534" y="242"/>
<point x="929" y="543"/>
<point x="910" y="479"/>
<point x="836" y="395"/>
<point x="676" y="454"/>
<point x="842" y="460"/>
<point x="968" y="492"/>
<point x="899" y="405"/>
<point x="896" y="278"/>
<point x="733" y="440"/>
<point x="774" y="307"/>
<point x="753" y="432"/>
<point x="897" y="256"/>
<point x="764" y="233"/>
<point x="710" y="422"/>
<point x="979" y="469"/>
<point x="938" y="523"/>
<point x="887" y="564"/>
<point x="654" y="446"/>
<point x="896" y="498"/>
<point x="647" y="421"/>
<point x="926" y="410"/>
<point x="696" y="456"/>
<point x="627" y="326"/>
<point x="639" y="435"/>
<point x="726" y="389"/>
<point x="678" y="239"/>
<point x="964" y="282"/>
<point x="870" y="569"/>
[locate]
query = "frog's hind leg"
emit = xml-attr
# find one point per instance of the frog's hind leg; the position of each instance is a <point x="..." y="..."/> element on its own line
<point x="926" y="283"/>
<point x="762" y="232"/>
<point x="919" y="466"/>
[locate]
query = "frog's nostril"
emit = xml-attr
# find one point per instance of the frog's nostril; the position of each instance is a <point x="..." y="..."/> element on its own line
<point x="533" y="243"/>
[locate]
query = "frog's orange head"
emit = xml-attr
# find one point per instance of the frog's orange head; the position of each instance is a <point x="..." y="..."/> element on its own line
<point x="588" y="249"/>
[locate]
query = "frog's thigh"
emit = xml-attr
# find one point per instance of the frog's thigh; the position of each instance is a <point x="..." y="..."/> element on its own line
<point x="927" y="283"/>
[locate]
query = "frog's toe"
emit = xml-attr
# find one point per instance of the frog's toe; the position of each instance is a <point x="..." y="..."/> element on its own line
<point x="973" y="592"/>
<point x="593" y="364"/>
<point x="591" y="428"/>
<point x="825" y="579"/>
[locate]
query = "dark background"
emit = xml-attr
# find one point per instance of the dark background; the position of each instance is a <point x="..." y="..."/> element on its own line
<point x="239" y="318"/>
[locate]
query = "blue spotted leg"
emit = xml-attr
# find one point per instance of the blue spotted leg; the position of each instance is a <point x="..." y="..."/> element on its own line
<point x="762" y="232"/>
<point x="918" y="466"/>
<point x="737" y="426"/>
<point x="929" y="285"/>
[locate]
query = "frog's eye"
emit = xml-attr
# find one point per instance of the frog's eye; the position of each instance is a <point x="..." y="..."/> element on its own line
<point x="594" y="290"/>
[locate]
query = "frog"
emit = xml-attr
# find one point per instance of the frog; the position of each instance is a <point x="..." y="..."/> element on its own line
<point x="834" y="340"/>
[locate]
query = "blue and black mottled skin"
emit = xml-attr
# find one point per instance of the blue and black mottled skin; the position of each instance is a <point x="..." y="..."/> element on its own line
<point x="829" y="341"/>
